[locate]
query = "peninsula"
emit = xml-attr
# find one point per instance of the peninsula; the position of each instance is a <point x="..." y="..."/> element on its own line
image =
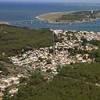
<point x="70" y="17"/>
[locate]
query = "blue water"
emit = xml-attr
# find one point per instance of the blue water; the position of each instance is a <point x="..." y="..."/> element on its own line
<point x="21" y="14"/>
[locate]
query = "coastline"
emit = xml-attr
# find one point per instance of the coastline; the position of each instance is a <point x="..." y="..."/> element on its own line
<point x="44" y="17"/>
<point x="41" y="17"/>
<point x="4" y="22"/>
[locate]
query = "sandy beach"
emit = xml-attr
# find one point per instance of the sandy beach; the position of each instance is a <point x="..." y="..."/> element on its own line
<point x="3" y="22"/>
<point x="51" y="17"/>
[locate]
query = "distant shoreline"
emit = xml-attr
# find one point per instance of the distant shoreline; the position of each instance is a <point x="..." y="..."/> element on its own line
<point x="4" y="22"/>
<point x="52" y="16"/>
<point x="41" y="17"/>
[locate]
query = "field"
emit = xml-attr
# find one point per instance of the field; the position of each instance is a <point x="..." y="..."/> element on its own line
<point x="14" y="39"/>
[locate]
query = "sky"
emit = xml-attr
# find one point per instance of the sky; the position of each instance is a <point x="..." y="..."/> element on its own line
<point x="89" y="1"/>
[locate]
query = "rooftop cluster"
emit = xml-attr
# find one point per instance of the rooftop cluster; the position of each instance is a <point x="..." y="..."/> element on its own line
<point x="68" y="47"/>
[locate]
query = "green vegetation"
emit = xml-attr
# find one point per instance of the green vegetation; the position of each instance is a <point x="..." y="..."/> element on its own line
<point x="96" y="53"/>
<point x="78" y="16"/>
<point x="14" y="39"/>
<point x="2" y="68"/>
<point x="74" y="82"/>
<point x="71" y="17"/>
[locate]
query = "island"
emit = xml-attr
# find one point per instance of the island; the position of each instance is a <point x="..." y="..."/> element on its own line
<point x="70" y="17"/>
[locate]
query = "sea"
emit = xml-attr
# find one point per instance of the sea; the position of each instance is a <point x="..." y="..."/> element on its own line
<point x="24" y="15"/>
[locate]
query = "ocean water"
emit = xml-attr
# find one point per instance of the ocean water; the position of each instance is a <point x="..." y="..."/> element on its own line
<point x="23" y="14"/>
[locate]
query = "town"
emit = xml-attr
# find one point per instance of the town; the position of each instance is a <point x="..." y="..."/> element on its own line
<point x="69" y="47"/>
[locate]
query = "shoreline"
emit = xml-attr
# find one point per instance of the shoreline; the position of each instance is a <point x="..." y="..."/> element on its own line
<point x="4" y="22"/>
<point x="42" y="18"/>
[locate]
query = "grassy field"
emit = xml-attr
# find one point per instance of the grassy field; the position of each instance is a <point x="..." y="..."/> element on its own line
<point x="13" y="39"/>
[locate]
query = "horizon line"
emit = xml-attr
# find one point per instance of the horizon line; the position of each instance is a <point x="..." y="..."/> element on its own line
<point x="47" y="2"/>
